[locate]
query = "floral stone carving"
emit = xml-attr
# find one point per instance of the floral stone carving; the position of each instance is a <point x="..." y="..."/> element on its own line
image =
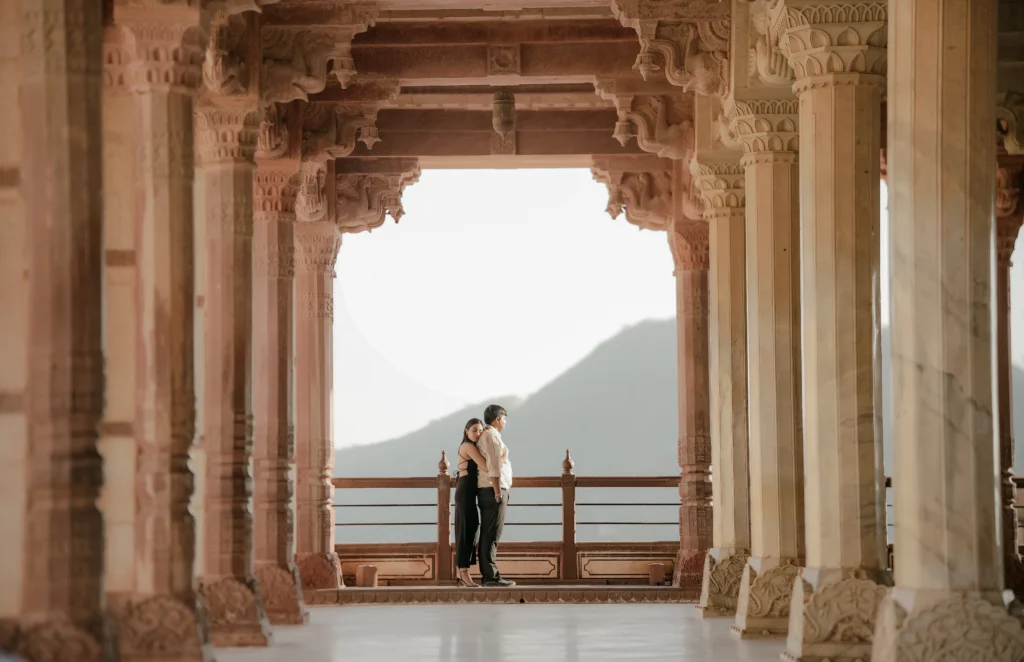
<point x="763" y="606"/>
<point x="720" y="588"/>
<point x="319" y="571"/>
<point x="159" y="628"/>
<point x="235" y="614"/>
<point x="281" y="597"/>
<point x="836" y="621"/>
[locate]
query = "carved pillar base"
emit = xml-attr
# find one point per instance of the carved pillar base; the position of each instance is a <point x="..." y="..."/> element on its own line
<point x="832" y="614"/>
<point x="762" y="609"/>
<point x="159" y="627"/>
<point x="688" y="569"/>
<point x="720" y="588"/>
<point x="282" y="595"/>
<point x="234" y="613"/>
<point x="921" y="624"/>
<point x="319" y="571"/>
<point x="56" y="639"/>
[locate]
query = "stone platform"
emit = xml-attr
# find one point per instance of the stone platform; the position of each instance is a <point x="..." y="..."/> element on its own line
<point x="548" y="594"/>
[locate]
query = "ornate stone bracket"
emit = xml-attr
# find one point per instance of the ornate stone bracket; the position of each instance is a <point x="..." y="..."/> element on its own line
<point x="691" y="39"/>
<point x="644" y="197"/>
<point x="1008" y="211"/>
<point x="272" y="142"/>
<point x="765" y="60"/>
<point x="1010" y="121"/>
<point x="828" y="38"/>
<point x="364" y="200"/>
<point x="648" y="120"/>
<point x="295" y="58"/>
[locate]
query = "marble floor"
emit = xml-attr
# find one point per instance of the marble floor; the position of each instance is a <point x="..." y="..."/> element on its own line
<point x="508" y="633"/>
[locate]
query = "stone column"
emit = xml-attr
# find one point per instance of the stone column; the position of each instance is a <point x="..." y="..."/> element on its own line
<point x="14" y="301"/>
<point x="317" y="243"/>
<point x="839" y="62"/>
<point x="689" y="242"/>
<point x="767" y="129"/>
<point x="276" y="186"/>
<point x="948" y="602"/>
<point x="1008" y="222"/>
<point x="62" y="611"/>
<point x="162" y="614"/>
<point x="720" y="180"/>
<point x="226" y="132"/>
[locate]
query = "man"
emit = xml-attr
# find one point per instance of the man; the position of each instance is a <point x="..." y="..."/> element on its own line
<point x="492" y="494"/>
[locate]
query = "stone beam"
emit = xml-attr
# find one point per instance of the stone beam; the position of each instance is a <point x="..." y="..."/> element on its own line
<point x="467" y="97"/>
<point x="416" y="12"/>
<point x="441" y="133"/>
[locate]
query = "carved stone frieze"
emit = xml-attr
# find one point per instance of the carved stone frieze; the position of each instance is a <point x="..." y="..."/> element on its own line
<point x="296" y="58"/>
<point x="835" y="621"/>
<point x="765" y="125"/>
<point x="688" y="41"/>
<point x="832" y="37"/>
<point x="364" y="200"/>
<point x="690" y="246"/>
<point x="720" y="588"/>
<point x="956" y="629"/>
<point x="644" y="197"/>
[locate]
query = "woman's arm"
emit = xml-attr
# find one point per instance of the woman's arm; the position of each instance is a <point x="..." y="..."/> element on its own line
<point x="474" y="454"/>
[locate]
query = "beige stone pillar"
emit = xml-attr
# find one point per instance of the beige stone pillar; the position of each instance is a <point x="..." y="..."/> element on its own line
<point x="14" y="301"/>
<point x="720" y="180"/>
<point x="316" y="243"/>
<point x="767" y="128"/>
<point x="1008" y="222"/>
<point x="689" y="242"/>
<point x="62" y="613"/>
<point x="948" y="602"/>
<point x="839" y="62"/>
<point x="160" y="615"/>
<point x="276" y="186"/>
<point x="226" y="132"/>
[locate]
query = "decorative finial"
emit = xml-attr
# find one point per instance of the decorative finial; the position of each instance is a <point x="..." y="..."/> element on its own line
<point x="443" y="465"/>
<point x="567" y="464"/>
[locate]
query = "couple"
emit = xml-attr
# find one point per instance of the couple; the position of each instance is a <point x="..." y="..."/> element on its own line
<point x="485" y="476"/>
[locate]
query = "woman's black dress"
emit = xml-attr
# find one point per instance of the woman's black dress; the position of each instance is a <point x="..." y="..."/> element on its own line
<point x="467" y="517"/>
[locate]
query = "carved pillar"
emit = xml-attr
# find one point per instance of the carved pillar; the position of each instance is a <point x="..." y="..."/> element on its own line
<point x="689" y="243"/>
<point x="276" y="186"/>
<point x="14" y="301"/>
<point x="767" y="129"/>
<point x="226" y="132"/>
<point x="1008" y="222"/>
<point x="839" y="62"/>
<point x="316" y="243"/>
<point x="949" y="573"/>
<point x="720" y="180"/>
<point x="62" y="611"/>
<point x="161" y="615"/>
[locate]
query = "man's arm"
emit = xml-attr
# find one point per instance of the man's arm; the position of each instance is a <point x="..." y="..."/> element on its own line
<point x="476" y="456"/>
<point x="492" y="453"/>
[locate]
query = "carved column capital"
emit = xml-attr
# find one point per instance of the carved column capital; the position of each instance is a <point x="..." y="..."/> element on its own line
<point x="767" y="128"/>
<point x="645" y="197"/>
<point x="316" y="248"/>
<point x="721" y="183"/>
<point x="226" y="133"/>
<point x="832" y="40"/>
<point x="689" y="41"/>
<point x="295" y="58"/>
<point x="364" y="200"/>
<point x="690" y="246"/>
<point x="1009" y="213"/>
<point x="164" y="46"/>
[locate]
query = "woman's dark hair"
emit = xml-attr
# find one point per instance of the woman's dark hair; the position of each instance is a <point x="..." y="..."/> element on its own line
<point x="465" y="430"/>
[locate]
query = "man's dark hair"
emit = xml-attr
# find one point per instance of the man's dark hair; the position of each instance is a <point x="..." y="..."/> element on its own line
<point x="493" y="413"/>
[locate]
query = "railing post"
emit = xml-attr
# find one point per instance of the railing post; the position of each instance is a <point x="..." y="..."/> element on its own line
<point x="570" y="571"/>
<point x="444" y="533"/>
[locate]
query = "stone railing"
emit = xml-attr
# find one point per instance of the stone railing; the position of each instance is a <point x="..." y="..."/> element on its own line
<point x="565" y="561"/>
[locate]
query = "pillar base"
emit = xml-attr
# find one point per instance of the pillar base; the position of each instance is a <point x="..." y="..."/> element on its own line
<point x="832" y="614"/>
<point x="282" y="595"/>
<point x="54" y="639"/>
<point x="319" y="570"/>
<point x="720" y="588"/>
<point x="942" y="625"/>
<point x="688" y="569"/>
<point x="762" y="609"/>
<point x="151" y="627"/>
<point x="235" y="613"/>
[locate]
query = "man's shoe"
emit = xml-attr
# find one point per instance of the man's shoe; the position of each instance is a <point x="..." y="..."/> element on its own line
<point x="501" y="582"/>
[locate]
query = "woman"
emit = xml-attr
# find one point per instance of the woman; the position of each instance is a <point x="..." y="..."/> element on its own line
<point x="467" y="517"/>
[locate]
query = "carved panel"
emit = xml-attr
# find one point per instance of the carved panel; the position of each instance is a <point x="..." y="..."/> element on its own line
<point x="644" y="197"/>
<point x="503" y="60"/>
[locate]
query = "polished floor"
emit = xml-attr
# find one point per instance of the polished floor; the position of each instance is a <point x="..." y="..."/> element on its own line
<point x="508" y="633"/>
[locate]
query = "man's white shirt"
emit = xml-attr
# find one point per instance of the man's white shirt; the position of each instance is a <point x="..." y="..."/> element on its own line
<point x="495" y="452"/>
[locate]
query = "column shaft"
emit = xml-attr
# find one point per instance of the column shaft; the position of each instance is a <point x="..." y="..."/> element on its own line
<point x="276" y="185"/>
<point x="840" y="141"/>
<point x="226" y="137"/>
<point x="317" y="244"/>
<point x="161" y="612"/>
<point x="62" y="605"/>
<point x="721" y="180"/>
<point x="768" y="132"/>
<point x="941" y="162"/>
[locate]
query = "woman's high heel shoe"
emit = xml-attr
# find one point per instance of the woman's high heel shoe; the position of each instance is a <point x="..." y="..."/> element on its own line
<point x="462" y="583"/>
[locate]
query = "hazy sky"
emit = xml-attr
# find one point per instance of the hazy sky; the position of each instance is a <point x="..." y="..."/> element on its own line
<point x="495" y="282"/>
